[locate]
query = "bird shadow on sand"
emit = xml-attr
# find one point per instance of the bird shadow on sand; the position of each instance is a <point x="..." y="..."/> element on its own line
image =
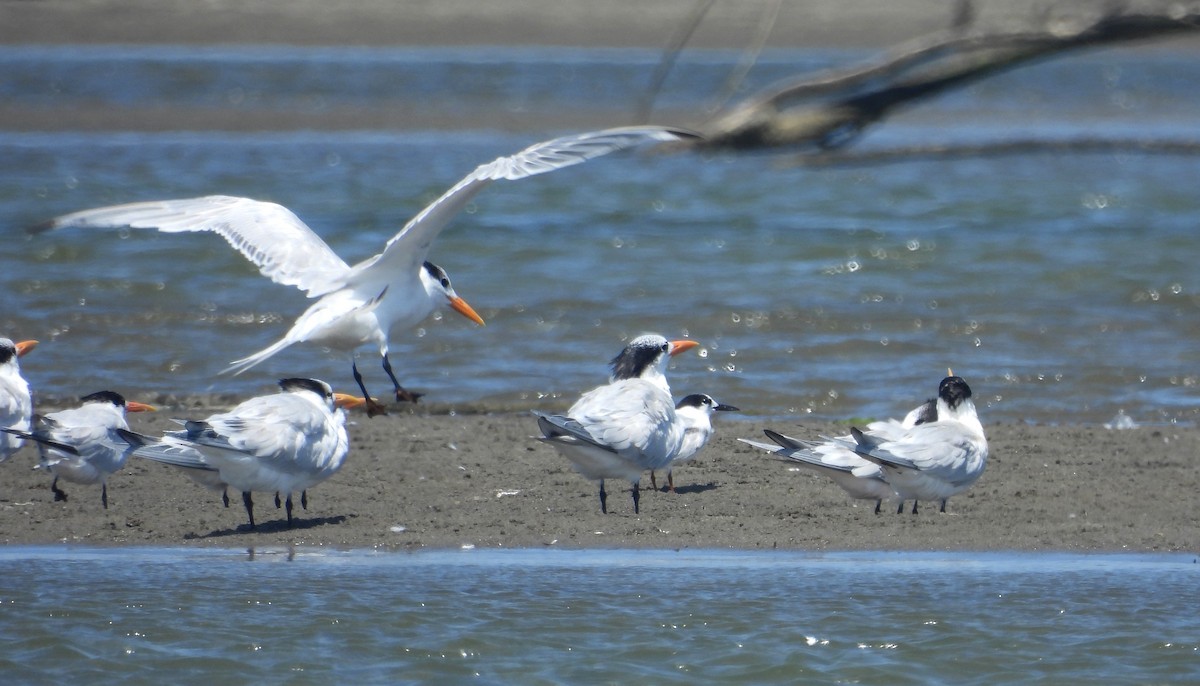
<point x="688" y="490"/>
<point x="273" y="526"/>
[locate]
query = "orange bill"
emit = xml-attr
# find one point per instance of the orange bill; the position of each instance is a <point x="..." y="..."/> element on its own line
<point x="135" y="406"/>
<point x="680" y="346"/>
<point x="460" y="306"/>
<point x="25" y="346"/>
<point x="347" y="401"/>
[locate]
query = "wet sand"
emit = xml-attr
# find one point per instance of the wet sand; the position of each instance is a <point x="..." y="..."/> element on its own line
<point x="416" y="479"/>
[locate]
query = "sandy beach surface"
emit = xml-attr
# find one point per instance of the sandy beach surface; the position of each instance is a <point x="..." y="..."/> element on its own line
<point x="427" y="478"/>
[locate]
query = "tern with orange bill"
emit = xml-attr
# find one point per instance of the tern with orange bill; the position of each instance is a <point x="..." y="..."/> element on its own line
<point x="623" y="428"/>
<point x="285" y="442"/>
<point x="16" y="402"/>
<point x="361" y="304"/>
<point x="81" y="445"/>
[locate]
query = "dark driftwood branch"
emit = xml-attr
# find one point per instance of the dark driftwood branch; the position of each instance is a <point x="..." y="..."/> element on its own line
<point x="829" y="110"/>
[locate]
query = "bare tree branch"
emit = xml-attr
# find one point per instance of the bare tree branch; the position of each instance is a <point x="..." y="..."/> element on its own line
<point x="828" y="111"/>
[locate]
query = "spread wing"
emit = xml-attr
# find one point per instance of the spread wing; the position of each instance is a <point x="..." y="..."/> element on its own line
<point x="409" y="248"/>
<point x="283" y="248"/>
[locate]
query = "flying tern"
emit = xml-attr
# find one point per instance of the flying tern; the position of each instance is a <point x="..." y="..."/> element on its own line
<point x="16" y="403"/>
<point x="695" y="411"/>
<point x="82" y="444"/>
<point x="859" y="477"/>
<point x="361" y="304"/>
<point x="623" y="428"/>
<point x="285" y="442"/>
<point x="933" y="460"/>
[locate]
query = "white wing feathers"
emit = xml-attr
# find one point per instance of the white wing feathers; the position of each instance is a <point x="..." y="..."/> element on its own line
<point x="283" y="248"/>
<point x="418" y="234"/>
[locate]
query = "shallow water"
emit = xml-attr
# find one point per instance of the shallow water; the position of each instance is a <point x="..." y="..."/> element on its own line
<point x="1061" y="286"/>
<point x="131" y="615"/>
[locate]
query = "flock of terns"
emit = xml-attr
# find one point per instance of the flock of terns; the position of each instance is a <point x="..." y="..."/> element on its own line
<point x="287" y="442"/>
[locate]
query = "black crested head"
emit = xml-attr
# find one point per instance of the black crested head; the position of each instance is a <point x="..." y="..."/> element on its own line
<point x="696" y="400"/>
<point x="953" y="390"/>
<point x="641" y="354"/>
<point x="701" y="400"/>
<point x="437" y="273"/>
<point x="317" y="386"/>
<point x="8" y="351"/>
<point x="105" y="397"/>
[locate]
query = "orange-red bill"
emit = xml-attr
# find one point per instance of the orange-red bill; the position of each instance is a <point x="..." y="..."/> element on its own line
<point x="348" y="401"/>
<point x="25" y="346"/>
<point x="135" y="406"/>
<point x="680" y="346"/>
<point x="460" y="306"/>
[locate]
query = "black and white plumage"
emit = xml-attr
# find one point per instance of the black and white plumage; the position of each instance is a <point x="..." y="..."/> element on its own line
<point x="857" y="476"/>
<point x="285" y="442"/>
<point x="82" y="445"/>
<point x="629" y="425"/>
<point x="934" y="460"/>
<point x="695" y="411"/>
<point x="356" y="305"/>
<point x="16" y="402"/>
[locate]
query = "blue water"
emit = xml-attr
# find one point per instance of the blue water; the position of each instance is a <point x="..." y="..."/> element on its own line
<point x="1061" y="286"/>
<point x="96" y="615"/>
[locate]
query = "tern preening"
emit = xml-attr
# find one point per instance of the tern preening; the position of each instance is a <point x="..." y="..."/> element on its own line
<point x="82" y="444"/>
<point x="933" y="460"/>
<point x="16" y="403"/>
<point x="857" y="476"/>
<point x="623" y="428"/>
<point x="696" y="413"/>
<point x="361" y="304"/>
<point x="286" y="442"/>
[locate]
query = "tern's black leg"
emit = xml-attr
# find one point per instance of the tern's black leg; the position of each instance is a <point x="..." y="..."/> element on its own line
<point x="289" y="508"/>
<point x="373" y="407"/>
<point x="943" y="510"/>
<point x="304" y="499"/>
<point x="249" y="503"/>
<point x="653" y="481"/>
<point x="878" y="504"/>
<point x="636" y="496"/>
<point x="277" y="503"/>
<point x="900" y="510"/>
<point x="603" y="499"/>
<point x="59" y="494"/>
<point x="670" y="480"/>
<point x="225" y="496"/>
<point x="402" y="394"/>
<point x="104" y="495"/>
<point x="914" y="507"/>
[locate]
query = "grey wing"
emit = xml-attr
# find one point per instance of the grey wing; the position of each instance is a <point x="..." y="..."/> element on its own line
<point x="631" y="415"/>
<point x="408" y="248"/>
<point x="558" y="426"/>
<point x="943" y="450"/>
<point x="283" y="248"/>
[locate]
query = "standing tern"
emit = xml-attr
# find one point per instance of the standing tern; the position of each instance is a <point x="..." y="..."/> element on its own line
<point x="859" y="477"/>
<point x="16" y="402"/>
<point x="695" y="411"/>
<point x="82" y="444"/>
<point x="285" y="442"/>
<point x="623" y="428"/>
<point x="933" y="460"/>
<point x="361" y="304"/>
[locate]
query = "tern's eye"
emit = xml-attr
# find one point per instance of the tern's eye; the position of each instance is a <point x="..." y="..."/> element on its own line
<point x="665" y="347"/>
<point x="445" y="282"/>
